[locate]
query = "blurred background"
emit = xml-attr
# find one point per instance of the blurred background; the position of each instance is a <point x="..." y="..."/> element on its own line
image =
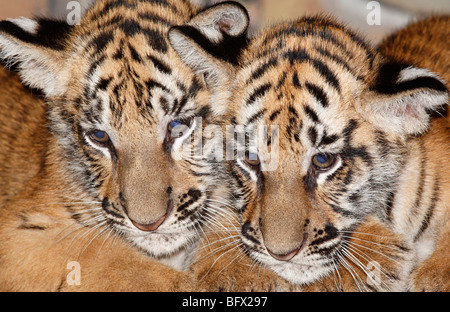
<point x="373" y="19"/>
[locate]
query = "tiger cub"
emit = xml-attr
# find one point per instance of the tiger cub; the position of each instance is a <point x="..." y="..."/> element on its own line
<point x="95" y="184"/>
<point x="341" y="171"/>
<point x="425" y="44"/>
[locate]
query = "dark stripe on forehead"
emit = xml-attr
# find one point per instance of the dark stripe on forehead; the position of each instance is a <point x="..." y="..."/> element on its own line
<point x="156" y="40"/>
<point x="102" y="40"/>
<point x="154" y="84"/>
<point x="312" y="135"/>
<point x="300" y="56"/>
<point x="348" y="130"/>
<point x="262" y="69"/>
<point x="311" y="113"/>
<point x="339" y="60"/>
<point x="159" y="65"/>
<point x="155" y="19"/>
<point x="130" y="27"/>
<point x="256" y="116"/>
<point x="274" y="114"/>
<point x="328" y="139"/>
<point x="318" y="93"/>
<point x="259" y="92"/>
<point x="134" y="54"/>
<point x="113" y="5"/>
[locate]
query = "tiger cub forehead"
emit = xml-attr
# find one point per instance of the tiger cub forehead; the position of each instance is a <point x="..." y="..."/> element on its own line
<point x="123" y="68"/>
<point x="308" y="72"/>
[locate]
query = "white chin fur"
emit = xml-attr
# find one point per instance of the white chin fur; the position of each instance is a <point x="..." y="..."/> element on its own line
<point x="175" y="250"/>
<point x="300" y="274"/>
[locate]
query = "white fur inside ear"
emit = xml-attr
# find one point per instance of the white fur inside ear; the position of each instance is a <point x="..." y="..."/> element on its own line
<point x="35" y="65"/>
<point x="29" y="25"/>
<point x="403" y="115"/>
<point x="411" y="73"/>
<point x="195" y="57"/>
<point x="226" y="18"/>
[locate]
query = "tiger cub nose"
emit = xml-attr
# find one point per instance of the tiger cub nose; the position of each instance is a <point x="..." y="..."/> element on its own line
<point x="288" y="256"/>
<point x="284" y="257"/>
<point x="155" y="225"/>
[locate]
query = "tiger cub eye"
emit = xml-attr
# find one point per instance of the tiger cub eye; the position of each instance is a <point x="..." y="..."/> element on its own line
<point x="177" y="127"/>
<point x="100" y="137"/>
<point x="323" y="161"/>
<point x="252" y="160"/>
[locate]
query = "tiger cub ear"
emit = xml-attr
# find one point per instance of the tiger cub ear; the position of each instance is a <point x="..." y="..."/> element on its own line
<point x="211" y="42"/>
<point x="403" y="99"/>
<point x="35" y="48"/>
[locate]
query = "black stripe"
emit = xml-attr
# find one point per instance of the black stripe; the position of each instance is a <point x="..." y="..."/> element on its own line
<point x="388" y="75"/>
<point x="311" y="113"/>
<point x="312" y="135"/>
<point x="229" y="49"/>
<point x="349" y="129"/>
<point x="160" y="65"/>
<point x="360" y="152"/>
<point x="274" y="114"/>
<point x="389" y="204"/>
<point x="102" y="40"/>
<point x="153" y="84"/>
<point x="419" y="191"/>
<point x="180" y="104"/>
<point x="326" y="73"/>
<point x="281" y="80"/>
<point x="430" y="211"/>
<point x="50" y="33"/>
<point x="256" y="116"/>
<point x="293" y="111"/>
<point x="259" y="92"/>
<point x="328" y="139"/>
<point x="104" y="83"/>
<point x="418" y="83"/>
<point x="134" y="54"/>
<point x="156" y="40"/>
<point x="318" y="93"/>
<point x="295" y="80"/>
<point x="337" y="59"/>
<point x="130" y="27"/>
<point x="263" y="68"/>
<point x="319" y="32"/>
<point x="301" y="56"/>
<point x="154" y="18"/>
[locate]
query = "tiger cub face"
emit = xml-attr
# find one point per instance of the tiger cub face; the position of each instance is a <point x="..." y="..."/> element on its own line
<point x="120" y="105"/>
<point x="338" y="119"/>
<point x="325" y="124"/>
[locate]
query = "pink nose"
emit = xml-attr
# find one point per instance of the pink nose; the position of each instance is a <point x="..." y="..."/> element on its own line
<point x="288" y="256"/>
<point x="284" y="257"/>
<point x="151" y="226"/>
<point x="155" y="225"/>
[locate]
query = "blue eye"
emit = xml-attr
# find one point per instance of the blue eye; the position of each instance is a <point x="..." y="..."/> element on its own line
<point x="323" y="161"/>
<point x="99" y="136"/>
<point x="177" y="127"/>
<point x="252" y="160"/>
<point x="174" y="123"/>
